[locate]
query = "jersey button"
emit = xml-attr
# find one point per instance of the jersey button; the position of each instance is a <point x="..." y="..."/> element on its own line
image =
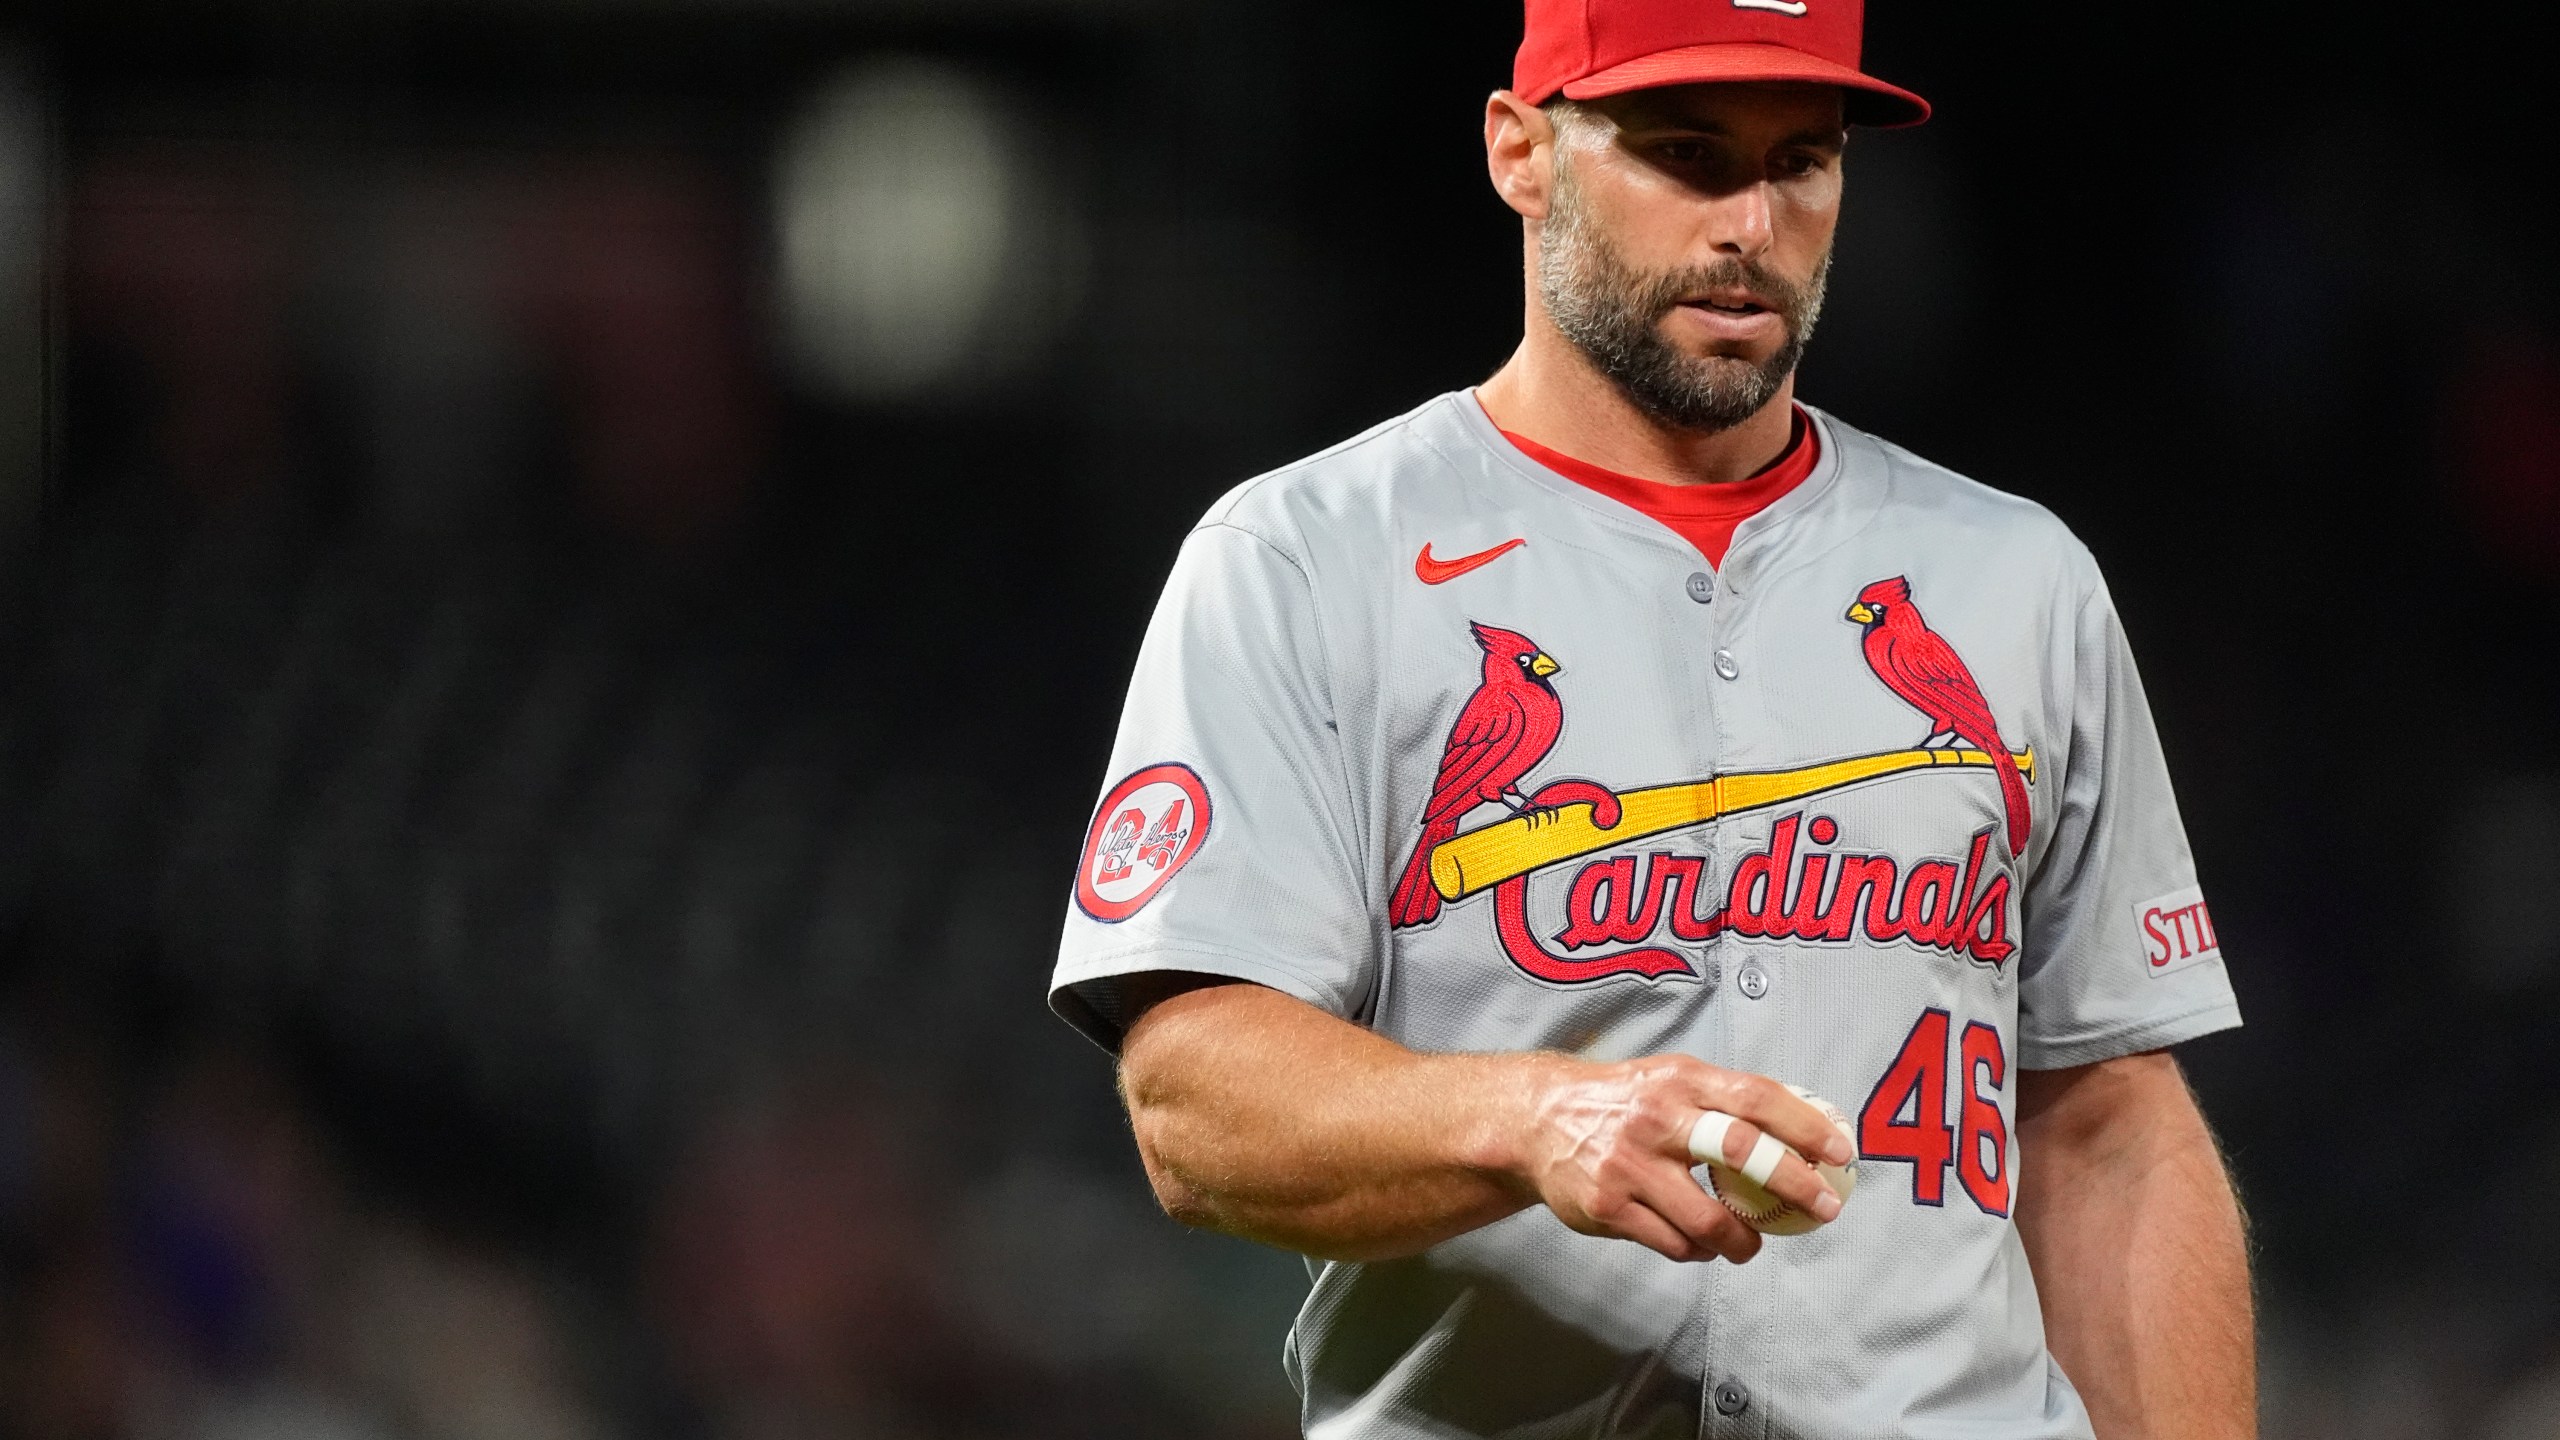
<point x="1702" y="587"/>
<point x="1753" y="980"/>
<point x="1727" y="666"/>
<point x="1732" y="1399"/>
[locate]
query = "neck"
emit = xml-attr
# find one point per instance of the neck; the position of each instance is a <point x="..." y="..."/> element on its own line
<point x="1551" y="393"/>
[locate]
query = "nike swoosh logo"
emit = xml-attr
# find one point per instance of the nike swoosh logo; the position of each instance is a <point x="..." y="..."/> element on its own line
<point x="1783" y="7"/>
<point x="1441" y="572"/>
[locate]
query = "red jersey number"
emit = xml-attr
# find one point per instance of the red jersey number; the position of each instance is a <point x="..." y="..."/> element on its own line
<point x="1906" y="1119"/>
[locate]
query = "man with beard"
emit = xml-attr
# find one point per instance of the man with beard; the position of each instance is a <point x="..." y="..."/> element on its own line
<point x="1514" y="802"/>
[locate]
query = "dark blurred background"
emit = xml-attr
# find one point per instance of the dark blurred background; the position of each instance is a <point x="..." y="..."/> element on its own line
<point x="566" y="568"/>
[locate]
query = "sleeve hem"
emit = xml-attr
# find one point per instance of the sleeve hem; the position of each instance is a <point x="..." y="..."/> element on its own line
<point x="2129" y="1040"/>
<point x="1099" y="1021"/>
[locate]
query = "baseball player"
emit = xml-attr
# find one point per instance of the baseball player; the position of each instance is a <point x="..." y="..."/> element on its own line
<point x="1513" y="801"/>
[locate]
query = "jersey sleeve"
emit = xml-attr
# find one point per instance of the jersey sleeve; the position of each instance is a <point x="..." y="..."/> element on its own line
<point x="2121" y="954"/>
<point x="1225" y="841"/>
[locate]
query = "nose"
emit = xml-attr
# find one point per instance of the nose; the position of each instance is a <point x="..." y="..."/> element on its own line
<point x="1738" y="222"/>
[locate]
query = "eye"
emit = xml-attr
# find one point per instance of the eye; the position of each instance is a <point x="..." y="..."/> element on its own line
<point x="1796" y="167"/>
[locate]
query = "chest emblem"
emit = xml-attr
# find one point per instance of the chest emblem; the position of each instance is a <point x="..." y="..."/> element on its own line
<point x="1503" y="731"/>
<point x="1798" y="887"/>
<point x="1917" y="664"/>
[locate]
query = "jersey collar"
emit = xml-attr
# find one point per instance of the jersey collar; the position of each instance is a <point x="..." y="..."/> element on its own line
<point x="1817" y="488"/>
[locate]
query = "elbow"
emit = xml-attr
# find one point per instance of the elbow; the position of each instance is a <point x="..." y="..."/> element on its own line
<point x="1181" y="1201"/>
<point x="1178" y="1197"/>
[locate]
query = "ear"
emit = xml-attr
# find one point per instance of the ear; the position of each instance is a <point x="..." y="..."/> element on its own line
<point x="1519" y="153"/>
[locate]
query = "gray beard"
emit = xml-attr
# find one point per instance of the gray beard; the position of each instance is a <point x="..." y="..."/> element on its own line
<point x="1613" y="314"/>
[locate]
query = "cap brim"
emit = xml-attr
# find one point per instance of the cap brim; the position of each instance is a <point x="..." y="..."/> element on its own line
<point x="1869" y="101"/>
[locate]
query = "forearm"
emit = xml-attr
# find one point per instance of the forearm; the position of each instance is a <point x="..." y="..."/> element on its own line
<point x="2139" y="1253"/>
<point x="1265" y="1117"/>
<point x="1262" y="1117"/>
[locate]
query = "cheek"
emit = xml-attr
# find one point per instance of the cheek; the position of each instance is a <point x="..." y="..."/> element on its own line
<point x="1649" y="215"/>
<point x="1652" y="225"/>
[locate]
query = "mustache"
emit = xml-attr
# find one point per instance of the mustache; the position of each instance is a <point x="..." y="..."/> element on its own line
<point x="1794" y="303"/>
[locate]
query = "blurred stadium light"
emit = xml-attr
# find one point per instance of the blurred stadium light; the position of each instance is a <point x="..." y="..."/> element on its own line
<point x="919" y="248"/>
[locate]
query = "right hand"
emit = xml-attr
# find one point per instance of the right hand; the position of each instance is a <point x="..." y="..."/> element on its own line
<point x="1607" y="1149"/>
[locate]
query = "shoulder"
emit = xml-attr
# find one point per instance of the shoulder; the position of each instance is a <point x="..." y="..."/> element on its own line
<point x="1349" y="493"/>
<point x="1917" y="497"/>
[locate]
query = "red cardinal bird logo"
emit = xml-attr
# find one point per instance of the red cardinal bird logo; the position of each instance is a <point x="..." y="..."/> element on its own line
<point x="1917" y="663"/>
<point x="1507" y="727"/>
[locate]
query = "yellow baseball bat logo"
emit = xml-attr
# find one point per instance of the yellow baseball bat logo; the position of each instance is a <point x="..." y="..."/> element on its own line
<point x="1480" y="859"/>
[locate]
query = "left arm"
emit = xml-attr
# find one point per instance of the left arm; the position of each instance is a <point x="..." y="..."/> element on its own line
<point x="2139" y="1251"/>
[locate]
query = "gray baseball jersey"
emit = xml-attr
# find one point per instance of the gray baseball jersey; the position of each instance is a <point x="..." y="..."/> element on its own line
<point x="1453" y="747"/>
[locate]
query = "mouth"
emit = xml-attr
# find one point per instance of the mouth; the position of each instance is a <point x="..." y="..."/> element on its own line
<point x="1729" y="318"/>
<point x="1730" y="302"/>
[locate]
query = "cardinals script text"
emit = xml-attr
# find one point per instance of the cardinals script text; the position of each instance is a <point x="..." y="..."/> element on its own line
<point x="1796" y="887"/>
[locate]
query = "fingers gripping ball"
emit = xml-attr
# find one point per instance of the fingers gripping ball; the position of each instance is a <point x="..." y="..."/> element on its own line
<point x="1744" y="1188"/>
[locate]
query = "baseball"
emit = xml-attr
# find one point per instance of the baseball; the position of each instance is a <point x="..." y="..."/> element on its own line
<point x="1748" y="1198"/>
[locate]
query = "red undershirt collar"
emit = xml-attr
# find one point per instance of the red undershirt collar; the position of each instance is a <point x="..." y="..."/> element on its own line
<point x="1704" y="515"/>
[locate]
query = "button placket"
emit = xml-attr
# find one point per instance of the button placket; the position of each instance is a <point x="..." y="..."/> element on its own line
<point x="1745" y="1020"/>
<point x="1713" y="597"/>
<point x="1728" y="666"/>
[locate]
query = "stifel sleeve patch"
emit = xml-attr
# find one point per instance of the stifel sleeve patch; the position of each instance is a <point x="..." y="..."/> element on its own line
<point x="2177" y="931"/>
<point x="1146" y="829"/>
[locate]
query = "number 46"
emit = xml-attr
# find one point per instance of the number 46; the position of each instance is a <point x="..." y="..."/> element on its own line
<point x="1916" y="1085"/>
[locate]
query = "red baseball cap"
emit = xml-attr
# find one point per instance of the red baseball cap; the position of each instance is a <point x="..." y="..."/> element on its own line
<point x="1584" y="49"/>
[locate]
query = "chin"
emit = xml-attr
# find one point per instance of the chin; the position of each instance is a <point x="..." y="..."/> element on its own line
<point x="1725" y="361"/>
<point x="1746" y="355"/>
